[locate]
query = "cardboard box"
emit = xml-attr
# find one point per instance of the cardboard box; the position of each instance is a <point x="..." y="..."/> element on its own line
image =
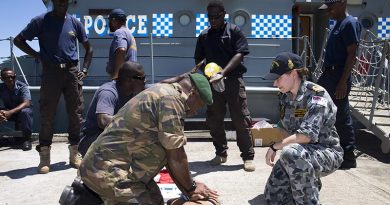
<point x="263" y="137"/>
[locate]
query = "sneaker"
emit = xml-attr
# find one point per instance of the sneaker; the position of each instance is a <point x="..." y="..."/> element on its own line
<point x="26" y="146"/>
<point x="249" y="166"/>
<point x="218" y="160"/>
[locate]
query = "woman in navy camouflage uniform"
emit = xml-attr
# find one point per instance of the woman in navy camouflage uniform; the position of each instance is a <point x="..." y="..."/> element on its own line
<point x="311" y="148"/>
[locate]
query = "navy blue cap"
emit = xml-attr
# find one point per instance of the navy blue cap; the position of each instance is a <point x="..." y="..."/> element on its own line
<point x="283" y="63"/>
<point x="117" y="14"/>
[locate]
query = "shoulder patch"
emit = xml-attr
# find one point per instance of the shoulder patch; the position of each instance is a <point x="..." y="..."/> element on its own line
<point x="315" y="88"/>
<point x="319" y="100"/>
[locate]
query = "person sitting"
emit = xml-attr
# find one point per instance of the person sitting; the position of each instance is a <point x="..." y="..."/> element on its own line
<point x="17" y="105"/>
<point x="108" y="99"/>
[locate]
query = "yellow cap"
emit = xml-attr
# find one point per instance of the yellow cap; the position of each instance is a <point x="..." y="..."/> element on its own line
<point x="212" y="69"/>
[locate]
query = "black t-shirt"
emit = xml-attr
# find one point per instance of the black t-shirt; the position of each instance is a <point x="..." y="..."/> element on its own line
<point x="220" y="46"/>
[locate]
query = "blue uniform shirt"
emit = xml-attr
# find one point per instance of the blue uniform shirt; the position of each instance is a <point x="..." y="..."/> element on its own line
<point x="122" y="38"/>
<point x="343" y="34"/>
<point x="106" y="100"/>
<point x="13" y="98"/>
<point x="57" y="37"/>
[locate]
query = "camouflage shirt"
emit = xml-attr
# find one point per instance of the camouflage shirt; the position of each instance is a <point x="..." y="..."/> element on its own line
<point x="312" y="114"/>
<point x="132" y="147"/>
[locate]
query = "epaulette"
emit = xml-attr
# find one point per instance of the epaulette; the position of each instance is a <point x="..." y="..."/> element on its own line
<point x="314" y="87"/>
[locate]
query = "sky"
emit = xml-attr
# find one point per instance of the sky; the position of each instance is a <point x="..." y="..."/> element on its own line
<point x="14" y="16"/>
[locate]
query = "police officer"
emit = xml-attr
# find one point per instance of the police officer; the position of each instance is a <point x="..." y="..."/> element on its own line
<point x="145" y="135"/>
<point x="336" y="78"/>
<point x="16" y="98"/>
<point x="312" y="147"/>
<point x="57" y="33"/>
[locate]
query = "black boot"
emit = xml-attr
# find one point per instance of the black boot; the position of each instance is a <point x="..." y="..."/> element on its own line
<point x="26" y="146"/>
<point x="349" y="160"/>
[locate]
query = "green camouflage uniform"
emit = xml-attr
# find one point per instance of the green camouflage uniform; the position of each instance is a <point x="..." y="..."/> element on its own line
<point x="295" y="178"/>
<point x="121" y="164"/>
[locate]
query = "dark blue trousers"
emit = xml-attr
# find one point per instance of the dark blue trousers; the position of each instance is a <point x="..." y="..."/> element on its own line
<point x="344" y="124"/>
<point x="23" y="121"/>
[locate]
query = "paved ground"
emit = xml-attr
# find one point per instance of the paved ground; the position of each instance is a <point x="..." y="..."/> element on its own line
<point x="368" y="184"/>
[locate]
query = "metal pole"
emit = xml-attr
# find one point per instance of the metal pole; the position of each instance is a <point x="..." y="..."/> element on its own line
<point x="152" y="55"/>
<point x="11" y="46"/>
<point x="377" y="83"/>
<point x="305" y="42"/>
<point x="21" y="71"/>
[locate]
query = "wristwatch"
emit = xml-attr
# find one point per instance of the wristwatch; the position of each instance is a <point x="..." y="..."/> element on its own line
<point x="193" y="187"/>
<point x="272" y="147"/>
<point x="85" y="71"/>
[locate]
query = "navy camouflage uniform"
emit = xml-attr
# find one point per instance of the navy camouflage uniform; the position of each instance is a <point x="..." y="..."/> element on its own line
<point x="295" y="178"/>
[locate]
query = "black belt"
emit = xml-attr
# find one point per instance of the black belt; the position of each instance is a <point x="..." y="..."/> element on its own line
<point x="333" y="67"/>
<point x="60" y="65"/>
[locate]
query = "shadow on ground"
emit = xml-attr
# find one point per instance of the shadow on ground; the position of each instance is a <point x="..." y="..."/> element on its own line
<point x="21" y="173"/>
<point x="368" y="144"/>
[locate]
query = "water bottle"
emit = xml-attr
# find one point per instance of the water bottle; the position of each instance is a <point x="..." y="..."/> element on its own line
<point x="219" y="85"/>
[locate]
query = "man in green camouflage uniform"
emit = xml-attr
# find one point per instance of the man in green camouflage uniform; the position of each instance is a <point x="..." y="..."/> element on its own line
<point x="312" y="148"/>
<point x="145" y="135"/>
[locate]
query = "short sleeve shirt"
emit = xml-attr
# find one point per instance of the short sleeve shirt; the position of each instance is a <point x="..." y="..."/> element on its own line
<point x="132" y="147"/>
<point x="106" y="100"/>
<point x="122" y="38"/>
<point x="343" y="34"/>
<point x="57" y="37"/>
<point x="312" y="114"/>
<point x="13" y="98"/>
<point x="220" y="46"/>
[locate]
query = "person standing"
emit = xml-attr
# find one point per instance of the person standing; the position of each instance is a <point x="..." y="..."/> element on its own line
<point x="123" y="46"/>
<point x="108" y="99"/>
<point x="224" y="44"/>
<point x="312" y="148"/>
<point x="145" y="135"/>
<point x="16" y="98"/>
<point x="57" y="33"/>
<point x="339" y="60"/>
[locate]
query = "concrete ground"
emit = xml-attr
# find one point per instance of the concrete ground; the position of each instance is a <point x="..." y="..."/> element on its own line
<point x="367" y="184"/>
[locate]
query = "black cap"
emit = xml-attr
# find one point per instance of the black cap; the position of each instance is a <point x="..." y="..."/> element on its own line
<point x="326" y="2"/>
<point x="117" y="14"/>
<point x="283" y="63"/>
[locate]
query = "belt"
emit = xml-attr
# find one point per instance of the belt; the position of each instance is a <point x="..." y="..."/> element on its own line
<point x="60" y="65"/>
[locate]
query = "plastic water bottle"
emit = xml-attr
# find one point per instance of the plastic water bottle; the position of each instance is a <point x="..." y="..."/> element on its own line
<point x="219" y="85"/>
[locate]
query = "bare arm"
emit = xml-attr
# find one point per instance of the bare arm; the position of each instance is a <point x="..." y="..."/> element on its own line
<point x="119" y="60"/>
<point x="103" y="120"/>
<point x="21" y="43"/>
<point x="233" y="63"/>
<point x="341" y="89"/>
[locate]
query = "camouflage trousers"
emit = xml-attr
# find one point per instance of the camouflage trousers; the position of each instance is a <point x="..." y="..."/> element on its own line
<point x="295" y="178"/>
<point x="135" y="194"/>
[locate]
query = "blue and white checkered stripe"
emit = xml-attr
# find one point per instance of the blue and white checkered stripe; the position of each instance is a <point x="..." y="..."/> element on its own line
<point x="271" y="26"/>
<point x="202" y="22"/>
<point x="384" y="27"/>
<point x="163" y="24"/>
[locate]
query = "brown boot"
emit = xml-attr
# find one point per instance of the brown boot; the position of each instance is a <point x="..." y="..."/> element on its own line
<point x="44" y="164"/>
<point x="74" y="156"/>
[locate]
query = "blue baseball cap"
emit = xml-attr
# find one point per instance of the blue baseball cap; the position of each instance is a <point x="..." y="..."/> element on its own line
<point x="117" y="14"/>
<point x="283" y="63"/>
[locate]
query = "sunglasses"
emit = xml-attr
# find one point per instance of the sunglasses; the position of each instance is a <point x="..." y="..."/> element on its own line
<point x="139" y="77"/>
<point x="214" y="17"/>
<point x="8" y="77"/>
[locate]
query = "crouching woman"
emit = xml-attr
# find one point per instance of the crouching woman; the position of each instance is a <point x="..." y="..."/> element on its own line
<point x="312" y="148"/>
